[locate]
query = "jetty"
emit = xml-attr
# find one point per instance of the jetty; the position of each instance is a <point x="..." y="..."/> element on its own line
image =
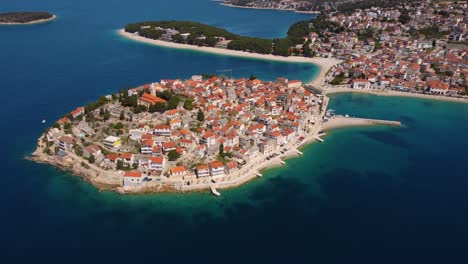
<point x="319" y="139"/>
<point x="214" y="191"/>
<point x="298" y="152"/>
<point x="258" y="174"/>
<point x="283" y="162"/>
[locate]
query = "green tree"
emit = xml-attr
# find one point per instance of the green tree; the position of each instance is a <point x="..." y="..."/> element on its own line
<point x="173" y="155"/>
<point x="189" y="104"/>
<point x="120" y="164"/>
<point x="47" y="151"/>
<point x="91" y="159"/>
<point x="67" y="126"/>
<point x="221" y="150"/>
<point x="307" y="50"/>
<point x="106" y="115"/>
<point x="78" y="150"/>
<point x="119" y="125"/>
<point x="122" y="115"/>
<point x="200" y="116"/>
<point x="337" y="80"/>
<point x="173" y="102"/>
<point x="157" y="107"/>
<point x="281" y="47"/>
<point x="404" y="17"/>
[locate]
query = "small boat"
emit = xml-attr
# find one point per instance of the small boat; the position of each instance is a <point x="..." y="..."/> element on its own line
<point x="43" y="121"/>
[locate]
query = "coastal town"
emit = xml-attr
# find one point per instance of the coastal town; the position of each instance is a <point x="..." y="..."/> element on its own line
<point x="379" y="49"/>
<point x="179" y="135"/>
<point x="214" y="132"/>
<point x="417" y="47"/>
<point x="389" y="49"/>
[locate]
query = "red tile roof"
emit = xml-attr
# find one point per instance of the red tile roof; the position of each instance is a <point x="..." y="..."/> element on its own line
<point x="158" y="160"/>
<point x="134" y="174"/>
<point x="149" y="98"/>
<point x="216" y="164"/>
<point x="178" y="169"/>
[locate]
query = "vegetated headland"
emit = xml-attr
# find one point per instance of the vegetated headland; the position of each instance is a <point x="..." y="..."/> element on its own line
<point x="198" y="34"/>
<point x="207" y="132"/>
<point x="15" y="18"/>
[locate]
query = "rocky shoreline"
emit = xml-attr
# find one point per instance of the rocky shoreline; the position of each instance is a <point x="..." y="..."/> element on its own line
<point x="111" y="180"/>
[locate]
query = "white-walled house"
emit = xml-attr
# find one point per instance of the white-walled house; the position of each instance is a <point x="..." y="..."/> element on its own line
<point x="156" y="163"/>
<point x="132" y="179"/>
<point x="216" y="169"/>
<point x="361" y="84"/>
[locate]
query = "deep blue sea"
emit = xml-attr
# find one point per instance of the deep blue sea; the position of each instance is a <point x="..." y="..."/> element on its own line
<point x="365" y="195"/>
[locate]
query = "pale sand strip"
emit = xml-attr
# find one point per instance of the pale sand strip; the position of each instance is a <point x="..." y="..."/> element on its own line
<point x="32" y="22"/>
<point x="323" y="63"/>
<point x="394" y="93"/>
<point x="269" y="8"/>
<point x="338" y="122"/>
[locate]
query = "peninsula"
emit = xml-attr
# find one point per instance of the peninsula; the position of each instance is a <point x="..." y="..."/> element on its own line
<point x="16" y="18"/>
<point x="207" y="132"/>
<point x="198" y="34"/>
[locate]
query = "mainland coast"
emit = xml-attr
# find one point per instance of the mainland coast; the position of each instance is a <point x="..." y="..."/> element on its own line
<point x="270" y="8"/>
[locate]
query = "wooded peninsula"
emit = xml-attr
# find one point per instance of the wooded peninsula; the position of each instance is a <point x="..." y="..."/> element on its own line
<point x="194" y="33"/>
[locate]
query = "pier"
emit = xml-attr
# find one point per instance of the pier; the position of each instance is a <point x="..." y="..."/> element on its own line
<point x="337" y="122"/>
<point x="258" y="174"/>
<point x="319" y="139"/>
<point x="214" y="191"/>
<point x="298" y="152"/>
<point x="283" y="162"/>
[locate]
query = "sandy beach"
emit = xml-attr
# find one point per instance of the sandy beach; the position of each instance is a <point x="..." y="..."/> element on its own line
<point x="339" y="122"/>
<point x="32" y="22"/>
<point x="323" y="63"/>
<point x="334" y="90"/>
<point x="268" y="8"/>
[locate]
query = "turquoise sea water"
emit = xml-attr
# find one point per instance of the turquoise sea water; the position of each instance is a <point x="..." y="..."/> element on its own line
<point x="366" y="195"/>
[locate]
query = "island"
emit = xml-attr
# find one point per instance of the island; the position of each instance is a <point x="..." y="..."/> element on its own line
<point x="14" y="18"/>
<point x="205" y="133"/>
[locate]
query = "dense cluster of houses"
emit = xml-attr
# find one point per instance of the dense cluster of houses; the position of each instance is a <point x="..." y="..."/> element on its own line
<point x="441" y="71"/>
<point x="231" y="122"/>
<point x="381" y="51"/>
